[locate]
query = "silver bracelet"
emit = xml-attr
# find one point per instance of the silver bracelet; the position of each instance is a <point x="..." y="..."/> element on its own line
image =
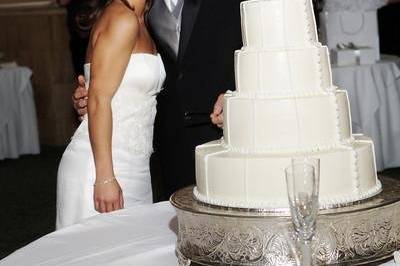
<point x="105" y="182"/>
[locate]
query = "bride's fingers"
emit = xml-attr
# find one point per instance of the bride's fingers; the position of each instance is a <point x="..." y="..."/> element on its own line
<point x="121" y="198"/>
<point x="109" y="207"/>
<point x="96" y="205"/>
<point x="102" y="207"/>
<point x="116" y="205"/>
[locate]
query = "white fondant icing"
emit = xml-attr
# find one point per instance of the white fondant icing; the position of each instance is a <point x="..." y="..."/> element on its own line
<point x="277" y="23"/>
<point x="264" y="124"/>
<point x="285" y="106"/>
<point x="273" y="71"/>
<point x="264" y="176"/>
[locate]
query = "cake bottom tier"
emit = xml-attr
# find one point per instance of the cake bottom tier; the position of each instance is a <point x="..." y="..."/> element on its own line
<point x="233" y="179"/>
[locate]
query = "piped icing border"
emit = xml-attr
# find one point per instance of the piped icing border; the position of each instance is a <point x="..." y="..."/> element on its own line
<point x="252" y="49"/>
<point x="280" y="149"/>
<point x="356" y="172"/>
<point x="325" y="202"/>
<point x="281" y="94"/>
<point x="338" y="126"/>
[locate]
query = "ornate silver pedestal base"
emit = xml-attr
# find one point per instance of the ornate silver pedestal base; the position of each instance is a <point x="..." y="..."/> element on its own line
<point x="361" y="233"/>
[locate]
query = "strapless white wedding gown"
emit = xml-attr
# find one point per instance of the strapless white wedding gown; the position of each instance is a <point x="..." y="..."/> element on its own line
<point x="134" y="110"/>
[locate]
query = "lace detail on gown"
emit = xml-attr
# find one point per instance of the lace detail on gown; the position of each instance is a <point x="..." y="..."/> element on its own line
<point x="136" y="132"/>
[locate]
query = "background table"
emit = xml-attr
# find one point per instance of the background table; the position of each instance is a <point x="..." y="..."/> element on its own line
<point x="18" y="121"/>
<point x="374" y="94"/>
<point x="145" y="235"/>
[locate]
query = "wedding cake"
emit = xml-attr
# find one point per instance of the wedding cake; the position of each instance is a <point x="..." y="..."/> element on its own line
<point x="284" y="107"/>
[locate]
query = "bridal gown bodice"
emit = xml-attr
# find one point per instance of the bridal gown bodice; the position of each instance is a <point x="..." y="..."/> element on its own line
<point x="133" y="113"/>
<point x="134" y="104"/>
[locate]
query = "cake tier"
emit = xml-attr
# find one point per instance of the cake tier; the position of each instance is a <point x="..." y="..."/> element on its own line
<point x="307" y="123"/>
<point x="232" y="179"/>
<point x="279" y="71"/>
<point x="278" y="23"/>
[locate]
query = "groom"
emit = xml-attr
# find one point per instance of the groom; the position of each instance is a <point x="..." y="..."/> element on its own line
<point x="197" y="40"/>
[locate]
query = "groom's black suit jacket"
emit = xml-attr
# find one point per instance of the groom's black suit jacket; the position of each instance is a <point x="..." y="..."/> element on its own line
<point x="210" y="33"/>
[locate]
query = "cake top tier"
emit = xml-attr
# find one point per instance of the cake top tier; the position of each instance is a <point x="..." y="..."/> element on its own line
<point x="271" y="24"/>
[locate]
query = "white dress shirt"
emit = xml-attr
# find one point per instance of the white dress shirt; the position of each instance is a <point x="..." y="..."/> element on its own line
<point x="175" y="7"/>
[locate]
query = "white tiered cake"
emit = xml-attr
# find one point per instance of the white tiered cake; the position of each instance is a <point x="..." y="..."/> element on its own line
<point x="284" y="106"/>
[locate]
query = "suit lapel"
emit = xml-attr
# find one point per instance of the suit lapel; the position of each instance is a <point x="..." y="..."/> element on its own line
<point x="189" y="15"/>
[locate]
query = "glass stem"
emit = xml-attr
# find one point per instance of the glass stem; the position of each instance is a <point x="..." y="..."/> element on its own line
<point x="306" y="253"/>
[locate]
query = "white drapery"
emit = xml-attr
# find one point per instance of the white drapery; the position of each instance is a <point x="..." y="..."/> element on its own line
<point x="353" y="5"/>
<point x="374" y="94"/>
<point x="18" y="122"/>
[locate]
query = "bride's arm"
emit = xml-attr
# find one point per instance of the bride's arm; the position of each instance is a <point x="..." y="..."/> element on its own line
<point x="110" y="56"/>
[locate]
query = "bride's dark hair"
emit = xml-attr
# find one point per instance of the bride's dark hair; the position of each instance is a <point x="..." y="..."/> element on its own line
<point x="89" y="11"/>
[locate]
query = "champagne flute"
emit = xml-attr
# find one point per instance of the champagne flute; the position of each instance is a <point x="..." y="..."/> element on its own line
<point x="302" y="180"/>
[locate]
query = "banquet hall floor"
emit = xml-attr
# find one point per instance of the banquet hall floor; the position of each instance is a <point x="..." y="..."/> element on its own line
<point x="28" y="196"/>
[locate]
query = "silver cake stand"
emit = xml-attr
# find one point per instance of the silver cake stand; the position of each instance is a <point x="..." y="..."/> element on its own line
<point x="364" y="232"/>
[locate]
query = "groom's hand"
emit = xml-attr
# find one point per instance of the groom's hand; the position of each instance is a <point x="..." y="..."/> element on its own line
<point x="217" y="117"/>
<point x="79" y="98"/>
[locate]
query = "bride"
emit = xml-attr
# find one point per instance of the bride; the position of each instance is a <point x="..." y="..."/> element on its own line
<point x="106" y="165"/>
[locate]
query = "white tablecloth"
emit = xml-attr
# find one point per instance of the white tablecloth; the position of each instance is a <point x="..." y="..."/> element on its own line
<point x="140" y="236"/>
<point x="374" y="93"/>
<point x="18" y="122"/>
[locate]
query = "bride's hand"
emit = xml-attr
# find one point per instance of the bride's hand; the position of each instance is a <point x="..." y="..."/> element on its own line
<point x="108" y="197"/>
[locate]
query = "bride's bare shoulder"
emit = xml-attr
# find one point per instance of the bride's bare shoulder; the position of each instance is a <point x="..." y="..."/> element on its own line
<point x="119" y="18"/>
